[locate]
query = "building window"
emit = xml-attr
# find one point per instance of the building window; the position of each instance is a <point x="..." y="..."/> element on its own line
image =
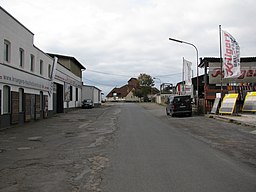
<point x="21" y="100"/>
<point x="7" y="51"/>
<point x="21" y="57"/>
<point x="71" y="93"/>
<point x="41" y="67"/>
<point x="6" y="99"/>
<point x="32" y="62"/>
<point x="49" y="71"/>
<point x="76" y="94"/>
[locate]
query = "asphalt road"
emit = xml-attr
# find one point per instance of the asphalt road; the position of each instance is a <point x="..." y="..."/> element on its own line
<point x="150" y="155"/>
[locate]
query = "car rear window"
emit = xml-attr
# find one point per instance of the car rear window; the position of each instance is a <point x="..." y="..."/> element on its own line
<point x="181" y="99"/>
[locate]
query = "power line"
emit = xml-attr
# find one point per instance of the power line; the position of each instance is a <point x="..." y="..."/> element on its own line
<point x="168" y="75"/>
<point x="98" y="83"/>
<point x="105" y="73"/>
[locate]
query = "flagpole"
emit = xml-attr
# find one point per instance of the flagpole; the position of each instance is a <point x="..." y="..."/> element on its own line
<point x="183" y="83"/>
<point x="221" y="63"/>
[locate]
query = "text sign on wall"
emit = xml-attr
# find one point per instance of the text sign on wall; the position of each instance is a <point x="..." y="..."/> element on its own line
<point x="247" y="69"/>
<point x="67" y="79"/>
<point x="13" y="76"/>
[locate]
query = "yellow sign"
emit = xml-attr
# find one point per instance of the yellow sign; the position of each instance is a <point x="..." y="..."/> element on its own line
<point x="228" y="103"/>
<point x="250" y="102"/>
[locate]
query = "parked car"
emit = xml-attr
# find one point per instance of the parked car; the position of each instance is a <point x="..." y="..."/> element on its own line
<point x="87" y="104"/>
<point x="179" y="105"/>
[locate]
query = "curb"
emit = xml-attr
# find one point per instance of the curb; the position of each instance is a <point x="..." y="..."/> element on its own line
<point x="230" y="120"/>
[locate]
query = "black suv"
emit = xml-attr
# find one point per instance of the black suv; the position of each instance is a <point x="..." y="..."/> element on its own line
<point x="179" y="105"/>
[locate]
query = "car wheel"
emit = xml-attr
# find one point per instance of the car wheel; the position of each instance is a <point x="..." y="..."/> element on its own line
<point x="167" y="113"/>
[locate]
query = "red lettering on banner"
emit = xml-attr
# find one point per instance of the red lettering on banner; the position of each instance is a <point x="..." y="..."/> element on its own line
<point x="228" y="56"/>
<point x="244" y="73"/>
<point x="217" y="72"/>
<point x="249" y="73"/>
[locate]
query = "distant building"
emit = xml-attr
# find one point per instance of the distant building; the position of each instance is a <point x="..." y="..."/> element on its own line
<point x="124" y="93"/>
<point x="93" y="93"/>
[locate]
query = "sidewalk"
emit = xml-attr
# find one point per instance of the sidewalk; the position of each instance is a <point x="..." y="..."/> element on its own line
<point x="247" y="119"/>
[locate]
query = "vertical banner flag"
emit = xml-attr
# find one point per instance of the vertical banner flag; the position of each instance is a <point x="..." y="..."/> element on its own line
<point x="52" y="75"/>
<point x="231" y="56"/>
<point x="187" y="72"/>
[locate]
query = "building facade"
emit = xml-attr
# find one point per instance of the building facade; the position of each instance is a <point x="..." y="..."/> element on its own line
<point x="213" y="83"/>
<point x="67" y="92"/>
<point x="24" y="74"/>
<point x="93" y="93"/>
<point x="32" y="85"/>
<point x="125" y="93"/>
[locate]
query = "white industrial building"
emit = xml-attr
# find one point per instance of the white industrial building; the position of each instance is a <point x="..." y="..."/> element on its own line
<point x="30" y="86"/>
<point x="93" y="93"/>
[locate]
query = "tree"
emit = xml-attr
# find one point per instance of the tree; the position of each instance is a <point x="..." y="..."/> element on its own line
<point x="146" y="83"/>
<point x="145" y="80"/>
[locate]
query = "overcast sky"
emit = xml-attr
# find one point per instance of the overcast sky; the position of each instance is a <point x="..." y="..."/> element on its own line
<point x="119" y="39"/>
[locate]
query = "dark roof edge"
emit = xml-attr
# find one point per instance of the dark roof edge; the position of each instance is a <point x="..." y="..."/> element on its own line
<point x="206" y="60"/>
<point x="92" y="87"/>
<point x="67" y="57"/>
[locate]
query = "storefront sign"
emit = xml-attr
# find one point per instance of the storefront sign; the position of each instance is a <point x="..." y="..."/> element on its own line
<point x="247" y="75"/>
<point x="67" y="79"/>
<point x="16" y="77"/>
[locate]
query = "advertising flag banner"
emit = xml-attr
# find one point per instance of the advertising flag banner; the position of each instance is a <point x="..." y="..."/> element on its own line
<point x="187" y="72"/>
<point x="231" y="56"/>
<point x="52" y="75"/>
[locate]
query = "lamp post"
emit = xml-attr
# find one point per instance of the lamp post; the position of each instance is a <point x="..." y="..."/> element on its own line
<point x="197" y="79"/>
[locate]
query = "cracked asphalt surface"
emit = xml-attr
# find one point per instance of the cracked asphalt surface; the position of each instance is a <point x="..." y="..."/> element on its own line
<point x="63" y="153"/>
<point x="71" y="152"/>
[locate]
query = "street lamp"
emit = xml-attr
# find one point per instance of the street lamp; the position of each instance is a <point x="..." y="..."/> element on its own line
<point x="197" y="79"/>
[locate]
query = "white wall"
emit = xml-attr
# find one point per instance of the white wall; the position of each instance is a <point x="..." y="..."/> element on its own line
<point x="11" y="73"/>
<point x="91" y="92"/>
<point x="67" y="78"/>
